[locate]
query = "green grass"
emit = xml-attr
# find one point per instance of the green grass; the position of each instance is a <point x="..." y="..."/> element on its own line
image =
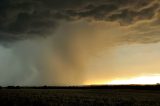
<point x="79" y="97"/>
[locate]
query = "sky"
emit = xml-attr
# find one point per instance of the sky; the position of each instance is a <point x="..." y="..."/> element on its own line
<point x="79" y="42"/>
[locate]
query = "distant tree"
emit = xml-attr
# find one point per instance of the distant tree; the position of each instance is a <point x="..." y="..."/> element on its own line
<point x="44" y="87"/>
<point x="0" y="87"/>
<point x="158" y="84"/>
<point x="17" y="87"/>
<point x="10" y="87"/>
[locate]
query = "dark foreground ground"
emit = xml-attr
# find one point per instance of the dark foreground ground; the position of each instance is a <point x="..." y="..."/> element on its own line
<point x="79" y="97"/>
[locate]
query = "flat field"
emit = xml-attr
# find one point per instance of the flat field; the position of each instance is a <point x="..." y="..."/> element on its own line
<point x="79" y="97"/>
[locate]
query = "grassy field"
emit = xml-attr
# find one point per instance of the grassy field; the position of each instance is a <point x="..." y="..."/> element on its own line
<point x="79" y="97"/>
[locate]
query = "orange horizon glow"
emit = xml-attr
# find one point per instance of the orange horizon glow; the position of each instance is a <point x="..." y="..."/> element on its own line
<point x="141" y="80"/>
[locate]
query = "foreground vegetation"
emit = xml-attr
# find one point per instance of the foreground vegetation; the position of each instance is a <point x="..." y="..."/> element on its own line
<point x="78" y="97"/>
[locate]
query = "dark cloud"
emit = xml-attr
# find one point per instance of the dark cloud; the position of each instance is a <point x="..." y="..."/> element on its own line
<point x="21" y="19"/>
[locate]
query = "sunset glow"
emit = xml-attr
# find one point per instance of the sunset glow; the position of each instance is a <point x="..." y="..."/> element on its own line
<point x="138" y="80"/>
<point x="152" y="79"/>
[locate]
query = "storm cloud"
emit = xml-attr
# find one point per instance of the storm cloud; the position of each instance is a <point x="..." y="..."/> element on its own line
<point x="53" y="41"/>
<point x="21" y="19"/>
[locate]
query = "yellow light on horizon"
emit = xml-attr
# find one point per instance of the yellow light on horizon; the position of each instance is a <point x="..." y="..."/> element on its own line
<point x="154" y="79"/>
